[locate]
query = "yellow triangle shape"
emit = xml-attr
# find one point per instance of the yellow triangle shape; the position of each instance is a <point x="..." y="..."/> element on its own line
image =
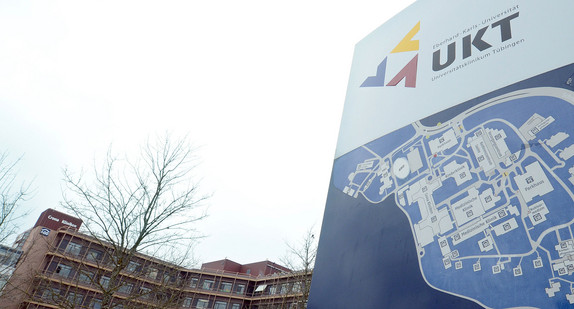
<point x="407" y="43"/>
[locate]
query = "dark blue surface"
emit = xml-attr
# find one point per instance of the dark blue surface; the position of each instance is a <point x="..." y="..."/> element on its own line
<point x="355" y="267"/>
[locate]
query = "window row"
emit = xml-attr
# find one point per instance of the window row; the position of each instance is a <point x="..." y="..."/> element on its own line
<point x="71" y="299"/>
<point x="226" y="287"/>
<point x="91" y="254"/>
<point x="97" y="256"/>
<point x="280" y="289"/>
<point x="77" y="298"/>
<point x="282" y="306"/>
<point x="76" y="249"/>
<point x="204" y="303"/>
<point x="91" y="278"/>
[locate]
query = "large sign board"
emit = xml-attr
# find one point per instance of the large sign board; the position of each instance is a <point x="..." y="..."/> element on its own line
<point x="453" y="182"/>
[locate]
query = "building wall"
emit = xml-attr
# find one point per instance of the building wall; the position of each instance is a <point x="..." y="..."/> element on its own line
<point x="263" y="268"/>
<point x="55" y="220"/>
<point x="33" y="252"/>
<point x="68" y="266"/>
<point x="223" y="265"/>
<point x="8" y="259"/>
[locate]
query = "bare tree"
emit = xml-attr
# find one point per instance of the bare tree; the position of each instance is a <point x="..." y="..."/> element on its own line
<point x="12" y="194"/>
<point x="144" y="205"/>
<point x="300" y="258"/>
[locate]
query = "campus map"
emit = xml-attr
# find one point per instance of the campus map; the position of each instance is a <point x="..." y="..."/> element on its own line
<point x="489" y="195"/>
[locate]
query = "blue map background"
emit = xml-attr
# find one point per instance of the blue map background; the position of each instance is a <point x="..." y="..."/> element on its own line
<point x="367" y="257"/>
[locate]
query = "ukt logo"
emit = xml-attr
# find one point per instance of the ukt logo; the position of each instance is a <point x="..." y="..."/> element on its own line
<point x="408" y="72"/>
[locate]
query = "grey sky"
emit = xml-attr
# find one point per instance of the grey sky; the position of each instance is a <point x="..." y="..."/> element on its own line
<point x="259" y="85"/>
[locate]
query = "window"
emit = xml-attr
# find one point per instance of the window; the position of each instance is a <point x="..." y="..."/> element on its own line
<point x="239" y="288"/>
<point x="284" y="288"/>
<point x="75" y="298"/>
<point x="162" y="297"/>
<point x="63" y="270"/>
<point x="272" y="290"/>
<point x="96" y="303"/>
<point x="105" y="282"/>
<point x="207" y="284"/>
<point x="74" y="248"/>
<point x="126" y="288"/>
<point x="152" y="273"/>
<point x="187" y="302"/>
<point x="51" y="293"/>
<point x="202" y="303"/>
<point x="94" y="255"/>
<point x="236" y="306"/>
<point x="85" y="276"/>
<point x="220" y="305"/>
<point x="193" y="282"/>
<point x="297" y="287"/>
<point x="261" y="288"/>
<point x="145" y="292"/>
<point x="225" y="287"/>
<point x="133" y="267"/>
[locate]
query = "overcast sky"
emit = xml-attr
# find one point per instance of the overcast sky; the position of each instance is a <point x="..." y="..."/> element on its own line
<point x="258" y="85"/>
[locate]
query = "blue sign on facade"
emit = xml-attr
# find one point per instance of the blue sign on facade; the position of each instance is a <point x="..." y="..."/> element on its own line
<point x="45" y="231"/>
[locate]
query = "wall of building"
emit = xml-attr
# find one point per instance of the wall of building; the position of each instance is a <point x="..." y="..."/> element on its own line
<point x="68" y="267"/>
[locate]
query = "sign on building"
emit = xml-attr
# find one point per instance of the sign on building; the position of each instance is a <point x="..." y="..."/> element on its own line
<point x="453" y="183"/>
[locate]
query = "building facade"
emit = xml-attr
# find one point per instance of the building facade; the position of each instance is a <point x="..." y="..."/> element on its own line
<point x="8" y="259"/>
<point x="61" y="267"/>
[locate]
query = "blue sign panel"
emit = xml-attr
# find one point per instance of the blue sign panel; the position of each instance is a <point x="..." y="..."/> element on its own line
<point x="45" y="231"/>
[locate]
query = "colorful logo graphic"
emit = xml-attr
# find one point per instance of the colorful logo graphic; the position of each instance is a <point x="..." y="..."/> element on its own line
<point x="408" y="72"/>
